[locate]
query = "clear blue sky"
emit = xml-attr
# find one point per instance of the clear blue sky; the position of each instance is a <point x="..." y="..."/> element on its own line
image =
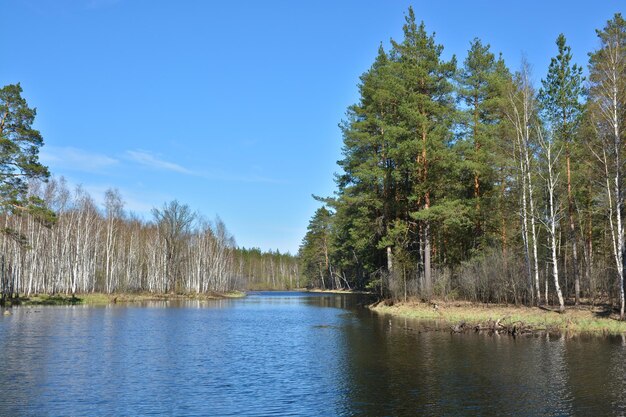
<point x="232" y="107"/>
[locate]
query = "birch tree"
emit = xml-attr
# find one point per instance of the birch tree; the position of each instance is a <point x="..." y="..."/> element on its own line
<point x="174" y="222"/>
<point x="113" y="211"/>
<point x="521" y="114"/>
<point x="607" y="95"/>
<point x="553" y="217"/>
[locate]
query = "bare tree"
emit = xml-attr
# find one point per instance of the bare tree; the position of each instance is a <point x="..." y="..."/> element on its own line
<point x="520" y="113"/>
<point x="554" y="214"/>
<point x="114" y="206"/>
<point x="608" y="105"/>
<point x="174" y="222"/>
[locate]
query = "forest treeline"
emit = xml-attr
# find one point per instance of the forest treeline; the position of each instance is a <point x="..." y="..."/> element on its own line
<point x="58" y="240"/>
<point x="269" y="270"/>
<point x="468" y="180"/>
<point x="81" y="248"/>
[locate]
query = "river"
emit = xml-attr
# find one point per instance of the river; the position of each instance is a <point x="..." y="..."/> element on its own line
<point x="291" y="354"/>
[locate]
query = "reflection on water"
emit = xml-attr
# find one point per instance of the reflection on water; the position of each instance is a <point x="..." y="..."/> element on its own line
<point x="290" y="354"/>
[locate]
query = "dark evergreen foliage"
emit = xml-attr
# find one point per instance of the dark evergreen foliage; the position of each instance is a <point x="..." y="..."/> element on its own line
<point x="439" y="163"/>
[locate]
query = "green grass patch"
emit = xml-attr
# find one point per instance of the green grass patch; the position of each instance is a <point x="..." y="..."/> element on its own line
<point x="587" y="320"/>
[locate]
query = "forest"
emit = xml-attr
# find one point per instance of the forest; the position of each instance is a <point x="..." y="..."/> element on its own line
<point x="73" y="247"/>
<point x="466" y="180"/>
<point x="57" y="240"/>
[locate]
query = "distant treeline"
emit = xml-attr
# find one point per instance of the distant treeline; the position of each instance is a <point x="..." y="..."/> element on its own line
<point x="270" y="270"/>
<point x="79" y="248"/>
<point x="466" y="180"/>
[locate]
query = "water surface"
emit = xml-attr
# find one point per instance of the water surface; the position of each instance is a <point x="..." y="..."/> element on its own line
<point x="291" y="354"/>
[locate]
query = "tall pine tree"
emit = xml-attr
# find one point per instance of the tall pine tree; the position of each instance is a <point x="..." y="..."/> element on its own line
<point x="480" y="90"/>
<point x="560" y="104"/>
<point x="426" y="115"/>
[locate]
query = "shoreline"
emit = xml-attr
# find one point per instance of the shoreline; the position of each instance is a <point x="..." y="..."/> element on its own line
<point x="313" y="290"/>
<point x="462" y="316"/>
<point x="337" y="291"/>
<point x="114" y="298"/>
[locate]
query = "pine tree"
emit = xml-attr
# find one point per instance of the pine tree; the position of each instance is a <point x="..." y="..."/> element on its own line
<point x="560" y="101"/>
<point x="503" y="204"/>
<point x="19" y="164"/>
<point x="480" y="89"/>
<point x="426" y="115"/>
<point x="19" y="150"/>
<point x="371" y="183"/>
<point x="315" y="249"/>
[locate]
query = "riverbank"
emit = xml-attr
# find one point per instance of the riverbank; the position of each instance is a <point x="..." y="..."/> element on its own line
<point x="465" y="316"/>
<point x="335" y="291"/>
<point x="312" y="290"/>
<point x="101" y="298"/>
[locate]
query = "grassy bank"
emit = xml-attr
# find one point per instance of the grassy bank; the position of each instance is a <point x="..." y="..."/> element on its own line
<point x="465" y="316"/>
<point x="337" y="291"/>
<point x="305" y="289"/>
<point x="101" y="298"/>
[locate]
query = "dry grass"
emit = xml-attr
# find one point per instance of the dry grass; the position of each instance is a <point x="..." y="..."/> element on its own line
<point x="574" y="320"/>
<point x="101" y="298"/>
<point x="337" y="291"/>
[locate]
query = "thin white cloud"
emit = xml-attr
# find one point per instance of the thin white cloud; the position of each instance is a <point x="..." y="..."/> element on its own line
<point x="69" y="159"/>
<point x="149" y="160"/>
<point x="73" y="159"/>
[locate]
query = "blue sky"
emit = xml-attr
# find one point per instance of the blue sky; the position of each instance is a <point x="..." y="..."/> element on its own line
<point x="233" y="107"/>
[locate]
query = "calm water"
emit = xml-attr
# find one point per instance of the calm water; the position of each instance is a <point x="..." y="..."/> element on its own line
<point x="290" y="354"/>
